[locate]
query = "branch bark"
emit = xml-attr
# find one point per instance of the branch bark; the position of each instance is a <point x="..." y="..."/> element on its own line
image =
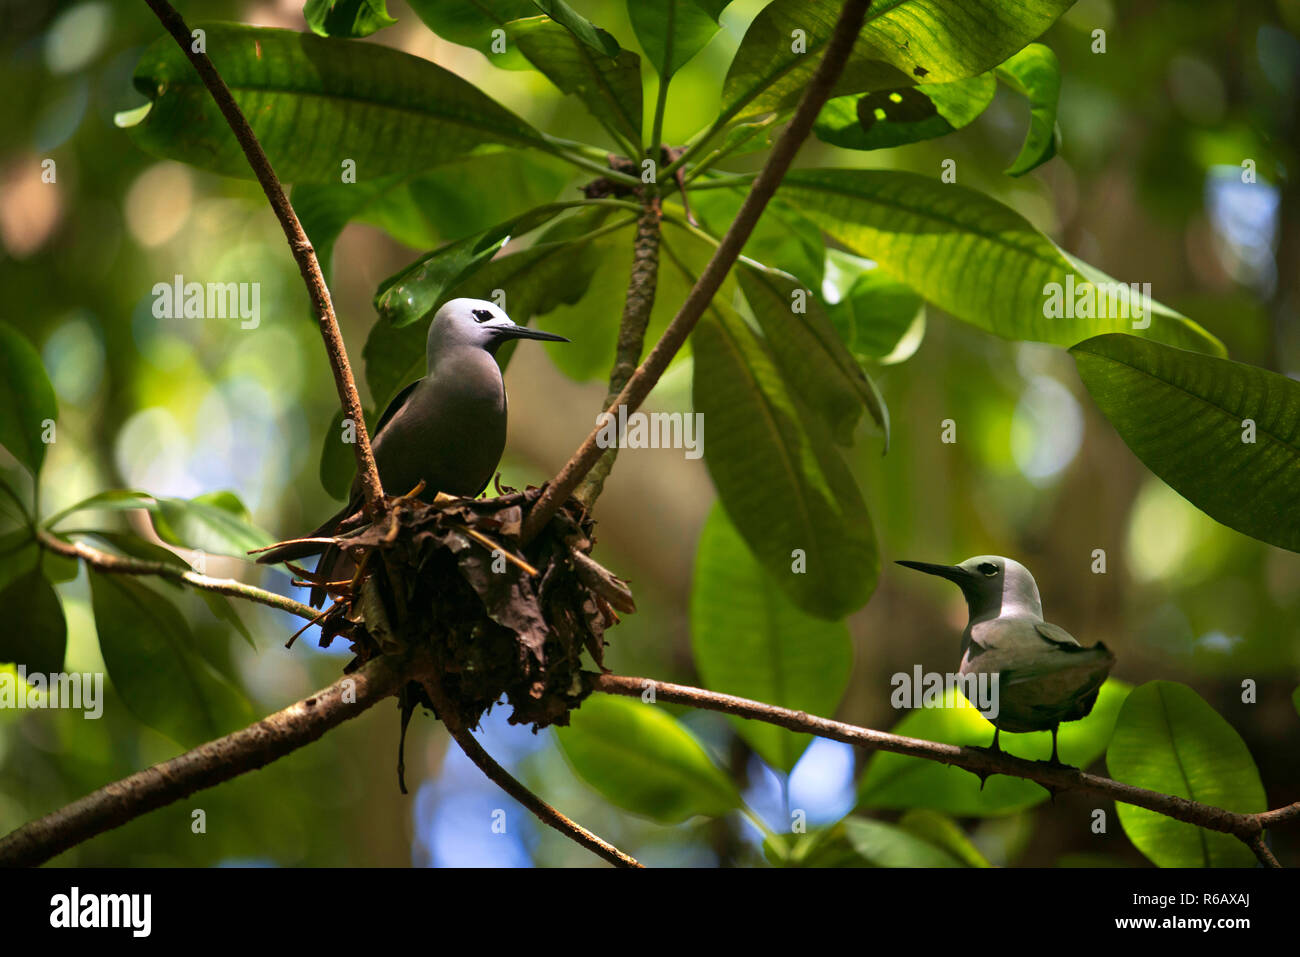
<point x="638" y="387"/>
<point x="637" y="307"/>
<point x="299" y="245"/>
<point x="118" y="565"/>
<point x="1248" y="827"/>
<point x="207" y="765"/>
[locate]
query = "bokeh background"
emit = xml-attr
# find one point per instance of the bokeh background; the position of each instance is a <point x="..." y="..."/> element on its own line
<point x="1146" y="186"/>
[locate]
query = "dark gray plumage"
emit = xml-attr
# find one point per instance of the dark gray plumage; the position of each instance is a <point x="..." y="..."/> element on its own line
<point x="447" y="429"/>
<point x="1044" y="675"/>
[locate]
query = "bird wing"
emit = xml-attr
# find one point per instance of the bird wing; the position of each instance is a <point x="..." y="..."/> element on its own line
<point x="1056" y="635"/>
<point x="394" y="407"/>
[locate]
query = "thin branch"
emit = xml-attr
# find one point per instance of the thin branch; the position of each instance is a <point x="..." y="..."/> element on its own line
<point x="981" y="761"/>
<point x="118" y="565"/>
<point x="637" y="307"/>
<point x="638" y="387"/>
<point x="1265" y="856"/>
<point x="503" y="779"/>
<point x="299" y="245"/>
<point x="206" y="766"/>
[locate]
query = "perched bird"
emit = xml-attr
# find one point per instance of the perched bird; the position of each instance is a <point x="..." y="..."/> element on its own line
<point x="447" y="430"/>
<point x="1044" y="675"/>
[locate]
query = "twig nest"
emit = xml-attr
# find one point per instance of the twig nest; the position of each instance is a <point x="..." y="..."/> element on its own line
<point x="497" y="619"/>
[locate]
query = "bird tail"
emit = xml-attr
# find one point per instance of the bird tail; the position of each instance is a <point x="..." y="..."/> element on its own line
<point x="296" y="550"/>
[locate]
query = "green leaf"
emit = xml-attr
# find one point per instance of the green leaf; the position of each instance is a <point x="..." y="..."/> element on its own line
<point x="972" y="256"/>
<point x="19" y="554"/>
<point x="672" y="31"/>
<point x="216" y="523"/>
<point x="1168" y="739"/>
<point x="223" y="609"/>
<point x="880" y="320"/>
<point x="1187" y="417"/>
<point x="414" y="292"/>
<point x="887" y="118"/>
<point x="37" y="635"/>
<point x="779" y="473"/>
<point x="643" y="760"/>
<point x="809" y="352"/>
<point x="944" y="833"/>
<point x="1035" y="73"/>
<point x="149" y="652"/>
<point x="315" y="102"/>
<point x="750" y="640"/>
<point x="608" y="85"/>
<point x="902" y="43"/>
<point x="26" y="399"/>
<point x="346" y="18"/>
<point x="781" y="238"/>
<point x="113" y="500"/>
<point x="582" y="28"/>
<point x="885" y="845"/>
<point x="899" y="781"/>
<point x="471" y="23"/>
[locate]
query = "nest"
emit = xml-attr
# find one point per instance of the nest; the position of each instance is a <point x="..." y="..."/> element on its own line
<point x="498" y="619"/>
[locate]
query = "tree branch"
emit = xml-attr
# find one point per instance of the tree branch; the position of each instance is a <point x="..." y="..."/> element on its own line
<point x="118" y="565"/>
<point x="1248" y="827"/>
<point x="638" y="387"/>
<point x="299" y="245"/>
<point x="207" y="765"/>
<point x="637" y="307"/>
<point x="503" y="779"/>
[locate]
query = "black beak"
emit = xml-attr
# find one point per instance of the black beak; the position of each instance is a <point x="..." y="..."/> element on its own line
<point x="524" y="332"/>
<point x="954" y="573"/>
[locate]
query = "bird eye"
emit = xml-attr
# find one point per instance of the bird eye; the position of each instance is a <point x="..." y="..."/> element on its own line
<point x="482" y="315"/>
<point x="988" y="568"/>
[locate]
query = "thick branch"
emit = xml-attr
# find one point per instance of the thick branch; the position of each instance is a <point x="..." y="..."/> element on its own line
<point x="638" y="387"/>
<point x="299" y="245"/>
<point x="118" y="565"/>
<point x="1248" y="827"/>
<point x="206" y="766"/>
<point x="637" y="307"/>
<point x="503" y="779"/>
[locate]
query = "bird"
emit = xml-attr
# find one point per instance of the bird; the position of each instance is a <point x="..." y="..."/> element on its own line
<point x="1044" y="675"/>
<point x="447" y="430"/>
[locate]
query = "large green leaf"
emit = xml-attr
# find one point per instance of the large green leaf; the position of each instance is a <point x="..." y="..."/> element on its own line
<point x="215" y="522"/>
<point x="19" y="554"/>
<point x="900" y="781"/>
<point x="1035" y="73"/>
<point x="779" y="473"/>
<point x="903" y="42"/>
<point x="781" y="237"/>
<point x="149" y="652"/>
<point x="974" y="257"/>
<point x="672" y="31"/>
<point x="26" y="399"/>
<point x="886" y="118"/>
<point x="112" y="500"/>
<point x="1169" y="740"/>
<point x="472" y="23"/>
<point x="643" y="760"/>
<point x="881" y="320"/>
<point x="609" y="86"/>
<point x="601" y="41"/>
<point x="1188" y="417"/>
<point x="812" y="357"/>
<point x="315" y="102"/>
<point x="750" y="640"/>
<point x="346" y="18"/>
<point x="37" y="634"/>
